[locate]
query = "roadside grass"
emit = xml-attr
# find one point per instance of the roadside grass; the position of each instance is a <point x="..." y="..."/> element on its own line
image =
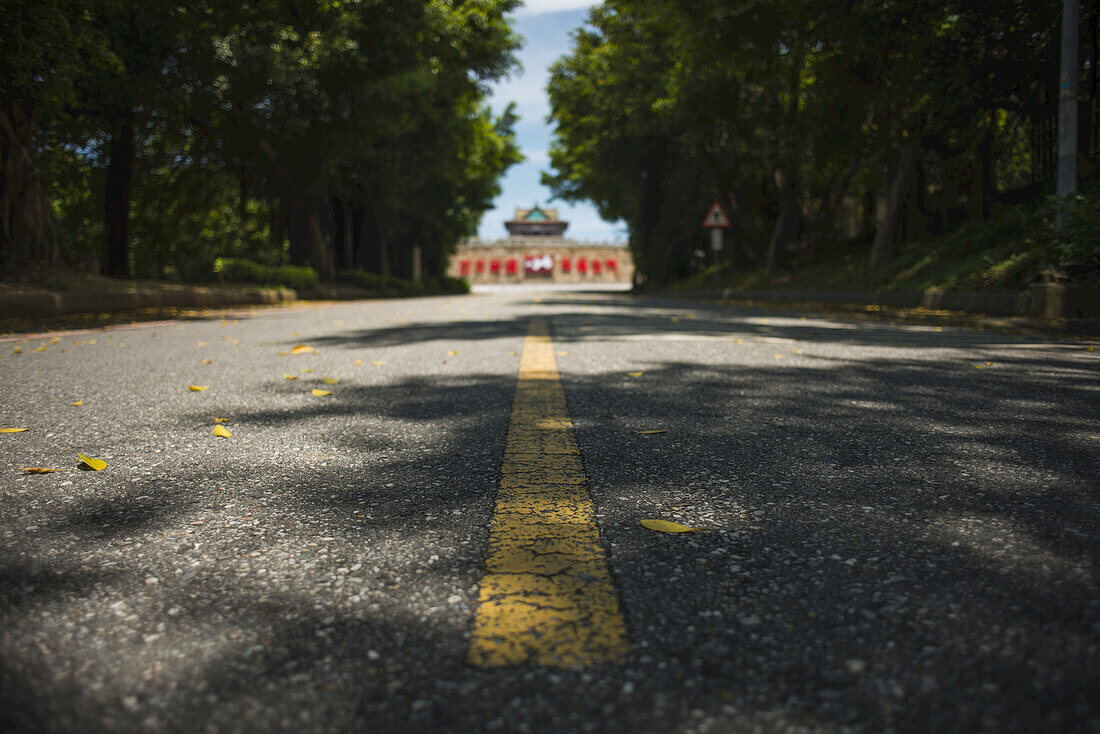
<point x="924" y="266"/>
<point x="1015" y="247"/>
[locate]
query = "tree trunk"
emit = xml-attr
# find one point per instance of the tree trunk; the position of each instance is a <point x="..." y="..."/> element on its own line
<point x="344" y="234"/>
<point x="916" y="217"/>
<point x="242" y="203"/>
<point x="785" y="225"/>
<point x="120" y="175"/>
<point x="276" y="232"/>
<point x="434" y="264"/>
<point x="882" y="250"/>
<point x="27" y="235"/>
<point x="980" y="194"/>
<point x="298" y="230"/>
<point x="358" y="220"/>
<point x="320" y="243"/>
<point x="373" y="247"/>
<point x="655" y="256"/>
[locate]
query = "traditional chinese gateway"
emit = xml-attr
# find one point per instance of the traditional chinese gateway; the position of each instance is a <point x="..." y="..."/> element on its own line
<point x="536" y="250"/>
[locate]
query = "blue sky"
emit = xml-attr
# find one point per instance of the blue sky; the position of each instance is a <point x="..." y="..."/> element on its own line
<point x="545" y="26"/>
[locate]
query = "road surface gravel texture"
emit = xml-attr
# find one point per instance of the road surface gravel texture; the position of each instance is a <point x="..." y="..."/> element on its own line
<point x="895" y="527"/>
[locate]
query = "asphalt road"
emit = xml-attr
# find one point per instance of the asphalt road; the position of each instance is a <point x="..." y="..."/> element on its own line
<point x="895" y="528"/>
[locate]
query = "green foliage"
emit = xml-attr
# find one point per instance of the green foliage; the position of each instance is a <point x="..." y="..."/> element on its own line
<point x="1078" y="254"/>
<point x="375" y="282"/>
<point x="454" y="285"/>
<point x="786" y="110"/>
<point x="1017" y="246"/>
<point x="239" y="270"/>
<point x="321" y="132"/>
<point x="362" y="279"/>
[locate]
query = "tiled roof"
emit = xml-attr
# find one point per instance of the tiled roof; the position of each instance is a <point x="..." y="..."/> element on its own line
<point x="536" y="214"/>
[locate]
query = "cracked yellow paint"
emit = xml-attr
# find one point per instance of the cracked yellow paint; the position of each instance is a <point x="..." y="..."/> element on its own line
<point x="547" y="595"/>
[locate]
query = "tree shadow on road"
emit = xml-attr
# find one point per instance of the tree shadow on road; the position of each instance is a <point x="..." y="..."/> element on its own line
<point x="881" y="543"/>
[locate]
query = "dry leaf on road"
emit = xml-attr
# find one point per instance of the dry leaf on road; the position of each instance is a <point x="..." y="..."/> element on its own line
<point x="665" y="526"/>
<point x="93" y="463"/>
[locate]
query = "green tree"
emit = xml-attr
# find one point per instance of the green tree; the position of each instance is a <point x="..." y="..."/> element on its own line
<point x="47" y="48"/>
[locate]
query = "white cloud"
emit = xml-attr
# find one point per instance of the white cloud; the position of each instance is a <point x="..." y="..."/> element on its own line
<point x="537" y="7"/>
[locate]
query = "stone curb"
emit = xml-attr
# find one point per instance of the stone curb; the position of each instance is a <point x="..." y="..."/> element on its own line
<point x="1013" y="311"/>
<point x="22" y="305"/>
<point x="1041" y="301"/>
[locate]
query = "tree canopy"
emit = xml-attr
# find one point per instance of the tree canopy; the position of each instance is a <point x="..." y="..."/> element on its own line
<point x="333" y="133"/>
<point x="810" y="120"/>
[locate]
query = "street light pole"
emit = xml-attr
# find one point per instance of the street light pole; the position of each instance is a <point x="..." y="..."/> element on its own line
<point x="1067" y="114"/>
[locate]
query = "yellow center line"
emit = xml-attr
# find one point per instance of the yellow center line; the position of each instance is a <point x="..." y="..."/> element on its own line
<point x="547" y="595"/>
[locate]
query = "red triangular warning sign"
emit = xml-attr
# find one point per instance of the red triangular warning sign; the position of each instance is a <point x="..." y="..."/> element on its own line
<point x="716" y="217"/>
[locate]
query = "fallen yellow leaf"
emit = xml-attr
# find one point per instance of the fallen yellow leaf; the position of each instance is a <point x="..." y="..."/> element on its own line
<point x="93" y="341"/>
<point x="674" y="320"/>
<point x="306" y="372"/>
<point x="93" y="463"/>
<point x="979" y="366"/>
<point x="220" y="430"/>
<point x="12" y="430"/>
<point x="283" y="354"/>
<point x="738" y="341"/>
<point x="452" y="353"/>
<point x="207" y="361"/>
<point x="220" y="420"/>
<point x="321" y="393"/>
<point x="665" y="526"/>
<point x="376" y="363"/>
<point x="37" y="470"/>
<point x="197" y="388"/>
<point x="204" y="344"/>
<point x="639" y="373"/>
<point x="650" y="433"/>
<point x="330" y="380"/>
<point x="779" y="356"/>
<point x="290" y="377"/>
<point x="78" y="402"/>
<point x="358" y="361"/>
<point x="302" y="349"/>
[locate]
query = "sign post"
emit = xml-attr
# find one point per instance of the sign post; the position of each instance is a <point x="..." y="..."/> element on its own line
<point x="716" y="220"/>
